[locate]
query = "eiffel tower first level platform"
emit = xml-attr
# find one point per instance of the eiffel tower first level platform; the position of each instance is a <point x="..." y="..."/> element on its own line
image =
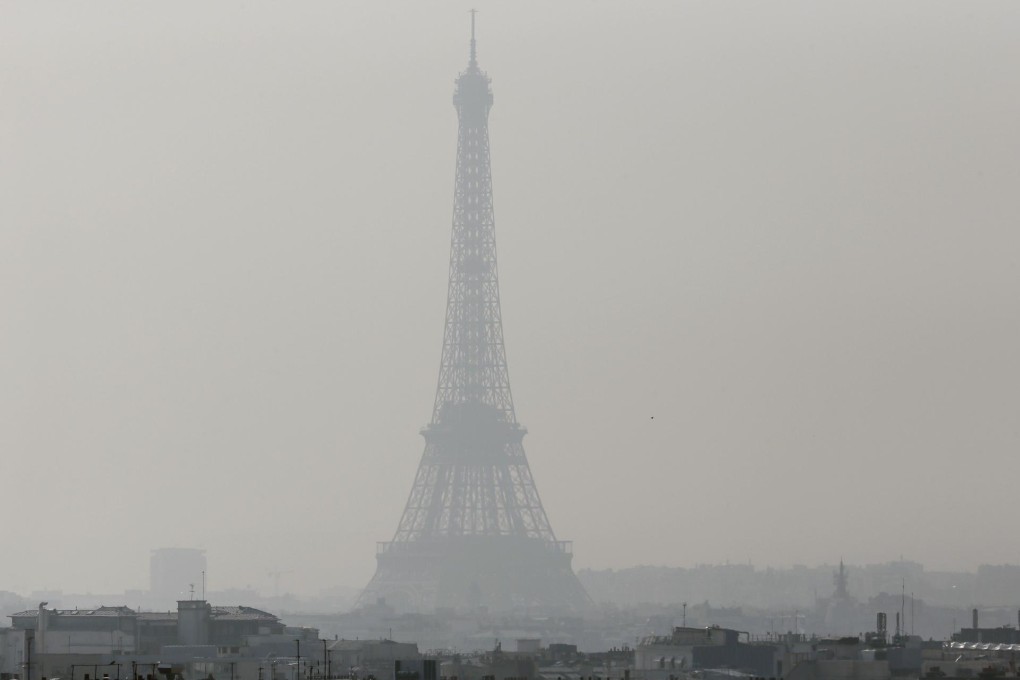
<point x="474" y="533"/>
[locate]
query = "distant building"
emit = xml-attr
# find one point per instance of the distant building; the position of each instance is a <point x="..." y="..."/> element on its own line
<point x="348" y="655"/>
<point x="495" y="664"/>
<point x="1002" y="635"/>
<point x="685" y="649"/>
<point x="48" y="643"/>
<point x="712" y="651"/>
<point x="362" y="658"/>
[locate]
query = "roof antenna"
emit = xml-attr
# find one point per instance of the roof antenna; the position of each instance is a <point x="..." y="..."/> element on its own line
<point x="474" y="56"/>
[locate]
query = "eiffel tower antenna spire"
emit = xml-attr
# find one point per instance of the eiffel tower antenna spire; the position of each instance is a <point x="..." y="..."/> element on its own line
<point x="473" y="63"/>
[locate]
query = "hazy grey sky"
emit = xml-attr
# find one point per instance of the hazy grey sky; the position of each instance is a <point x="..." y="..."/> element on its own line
<point x="786" y="230"/>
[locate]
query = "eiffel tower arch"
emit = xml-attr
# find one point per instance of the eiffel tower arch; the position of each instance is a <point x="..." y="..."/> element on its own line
<point x="474" y="532"/>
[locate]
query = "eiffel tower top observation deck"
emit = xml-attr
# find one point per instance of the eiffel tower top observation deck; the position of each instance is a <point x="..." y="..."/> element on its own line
<point x="474" y="529"/>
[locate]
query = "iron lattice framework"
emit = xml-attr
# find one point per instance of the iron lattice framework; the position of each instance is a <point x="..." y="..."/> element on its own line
<point x="474" y="500"/>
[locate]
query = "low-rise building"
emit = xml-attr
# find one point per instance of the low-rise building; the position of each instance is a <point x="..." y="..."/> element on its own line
<point x="658" y="657"/>
<point x="370" y="657"/>
<point x="120" y="643"/>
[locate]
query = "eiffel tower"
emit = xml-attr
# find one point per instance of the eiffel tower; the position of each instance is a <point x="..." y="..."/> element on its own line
<point x="474" y="533"/>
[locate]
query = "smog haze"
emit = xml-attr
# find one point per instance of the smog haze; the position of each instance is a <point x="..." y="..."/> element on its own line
<point x="758" y="263"/>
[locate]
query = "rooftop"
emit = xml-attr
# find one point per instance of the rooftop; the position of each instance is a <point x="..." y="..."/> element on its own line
<point x="98" y="611"/>
<point x="235" y="613"/>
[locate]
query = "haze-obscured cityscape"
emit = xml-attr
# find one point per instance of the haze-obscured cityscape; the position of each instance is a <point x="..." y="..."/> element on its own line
<point x="189" y="370"/>
<point x="635" y="617"/>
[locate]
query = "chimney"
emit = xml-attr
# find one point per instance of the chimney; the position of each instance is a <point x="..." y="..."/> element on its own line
<point x="975" y="617"/>
<point x="42" y="624"/>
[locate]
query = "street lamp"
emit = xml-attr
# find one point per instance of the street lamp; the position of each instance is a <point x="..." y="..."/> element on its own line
<point x="297" y="667"/>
